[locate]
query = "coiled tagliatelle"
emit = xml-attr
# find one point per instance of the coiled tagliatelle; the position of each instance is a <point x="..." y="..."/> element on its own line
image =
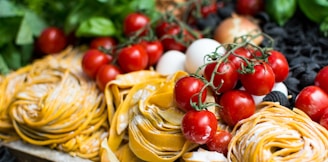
<point x="146" y="123"/>
<point x="276" y="133"/>
<point x="52" y="103"/>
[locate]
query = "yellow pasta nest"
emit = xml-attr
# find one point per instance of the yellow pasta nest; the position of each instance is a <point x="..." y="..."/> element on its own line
<point x="51" y="103"/>
<point x="276" y="133"/>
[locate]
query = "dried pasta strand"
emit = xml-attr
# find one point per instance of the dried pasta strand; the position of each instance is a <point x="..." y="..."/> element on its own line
<point x="276" y="133"/>
<point x="52" y="103"/>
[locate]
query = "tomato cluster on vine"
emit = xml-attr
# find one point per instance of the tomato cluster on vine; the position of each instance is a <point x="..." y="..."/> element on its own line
<point x="233" y="78"/>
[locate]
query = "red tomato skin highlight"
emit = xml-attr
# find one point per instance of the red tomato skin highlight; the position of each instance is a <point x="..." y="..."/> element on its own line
<point x="154" y="50"/>
<point x="321" y="79"/>
<point x="236" y="105"/>
<point x="199" y="126"/>
<point x="92" y="60"/>
<point x="133" y="58"/>
<point x="52" y="40"/>
<point x="260" y="82"/>
<point x="313" y="101"/>
<point x="249" y="7"/>
<point x="185" y="90"/>
<point x="105" y="74"/>
<point x="279" y="65"/>
<point x="226" y="76"/>
<point x="135" y="22"/>
<point x="220" y="142"/>
<point x="104" y="42"/>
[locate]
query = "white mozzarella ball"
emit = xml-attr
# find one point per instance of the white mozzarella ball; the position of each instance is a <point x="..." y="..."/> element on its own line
<point x="171" y="62"/>
<point x="257" y="99"/>
<point x="280" y="86"/>
<point x="196" y="52"/>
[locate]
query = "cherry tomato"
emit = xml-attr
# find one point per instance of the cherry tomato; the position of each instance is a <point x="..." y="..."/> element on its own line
<point x="187" y="90"/>
<point x="170" y="43"/>
<point x="199" y="126"/>
<point x="324" y="119"/>
<point x="105" y="74"/>
<point x="279" y="65"/>
<point x="249" y="7"/>
<point x="237" y="58"/>
<point x="154" y="50"/>
<point x="260" y="82"/>
<point x="236" y="105"/>
<point x="135" y="22"/>
<point x="313" y="101"/>
<point x="225" y="75"/>
<point x="132" y="58"/>
<point x="52" y="40"/>
<point x="92" y="60"/>
<point x="321" y="79"/>
<point x="209" y="9"/>
<point x="104" y="42"/>
<point x="162" y="28"/>
<point x="220" y="142"/>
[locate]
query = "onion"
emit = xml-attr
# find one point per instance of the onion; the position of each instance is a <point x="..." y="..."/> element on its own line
<point x="236" y="26"/>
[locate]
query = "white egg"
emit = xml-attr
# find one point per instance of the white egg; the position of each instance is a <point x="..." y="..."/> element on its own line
<point x="197" y="51"/>
<point x="257" y="99"/>
<point x="171" y="62"/>
<point x="280" y="86"/>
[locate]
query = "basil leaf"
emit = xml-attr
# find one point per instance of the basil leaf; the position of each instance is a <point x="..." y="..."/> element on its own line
<point x="26" y="53"/>
<point x="96" y="26"/>
<point x="11" y="56"/>
<point x="8" y="31"/>
<point x="9" y="9"/>
<point x="30" y="26"/>
<point x="3" y="66"/>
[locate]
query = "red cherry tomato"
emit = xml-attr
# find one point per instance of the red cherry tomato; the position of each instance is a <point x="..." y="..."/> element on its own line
<point x="209" y="9"/>
<point x="162" y="27"/>
<point x="225" y="76"/>
<point x="249" y="7"/>
<point x="220" y="142"/>
<point x="170" y="43"/>
<point x="154" y="50"/>
<point x="199" y="126"/>
<point x="52" y="40"/>
<point x="279" y="65"/>
<point x="313" y="101"/>
<point x="92" y="60"/>
<point x="188" y="89"/>
<point x="132" y="58"/>
<point x="260" y="82"/>
<point x="105" y="74"/>
<point x="236" y="105"/>
<point x="135" y="22"/>
<point x="324" y="119"/>
<point x="104" y="42"/>
<point x="237" y="58"/>
<point x="321" y="79"/>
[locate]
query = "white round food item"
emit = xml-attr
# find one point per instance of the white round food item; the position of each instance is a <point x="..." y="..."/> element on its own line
<point x="281" y="87"/>
<point x="204" y="155"/>
<point x="278" y="86"/>
<point x="171" y="62"/>
<point x="196" y="52"/>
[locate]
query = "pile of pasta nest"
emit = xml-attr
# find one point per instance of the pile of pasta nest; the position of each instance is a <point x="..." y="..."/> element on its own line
<point x="52" y="103"/>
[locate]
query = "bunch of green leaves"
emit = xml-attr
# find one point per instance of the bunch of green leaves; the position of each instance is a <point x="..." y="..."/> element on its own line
<point x="22" y="21"/>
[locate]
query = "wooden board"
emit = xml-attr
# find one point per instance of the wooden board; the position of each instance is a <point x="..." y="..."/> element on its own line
<point x="24" y="152"/>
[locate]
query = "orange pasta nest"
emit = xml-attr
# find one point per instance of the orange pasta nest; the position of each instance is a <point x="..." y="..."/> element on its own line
<point x="276" y="133"/>
<point x="51" y="103"/>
